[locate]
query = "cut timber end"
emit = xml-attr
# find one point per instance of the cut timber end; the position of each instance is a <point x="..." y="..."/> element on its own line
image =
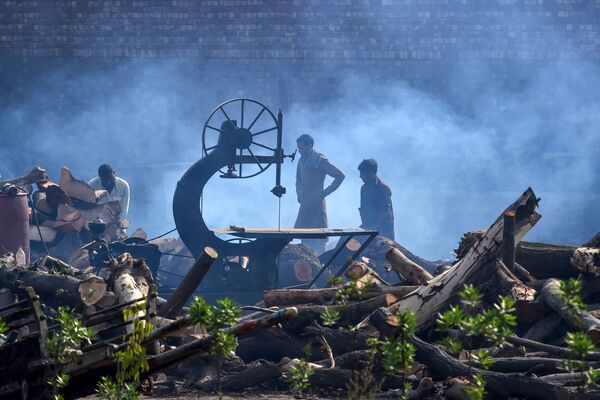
<point x="210" y="252"/>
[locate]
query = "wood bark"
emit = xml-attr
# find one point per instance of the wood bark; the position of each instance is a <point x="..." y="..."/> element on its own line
<point x="36" y="175"/>
<point x="342" y="341"/>
<point x="542" y="260"/>
<point x="551" y="294"/>
<point x="280" y="297"/>
<point x="189" y="284"/>
<point x="550" y="349"/>
<point x="430" y="299"/>
<point x="586" y="260"/>
<point x="503" y="384"/>
<point x="544" y="327"/>
<point x="508" y="284"/>
<point x="537" y="365"/>
<point x="412" y="272"/>
<point x="350" y="314"/>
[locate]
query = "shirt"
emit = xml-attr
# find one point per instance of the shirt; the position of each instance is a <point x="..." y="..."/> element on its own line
<point x="119" y="193"/>
<point x="376" y="210"/>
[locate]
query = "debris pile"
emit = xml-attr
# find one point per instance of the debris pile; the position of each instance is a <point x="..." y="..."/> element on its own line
<point x="502" y="320"/>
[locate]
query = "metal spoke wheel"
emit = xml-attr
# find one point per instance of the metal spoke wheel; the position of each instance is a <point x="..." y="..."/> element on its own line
<point x="255" y="130"/>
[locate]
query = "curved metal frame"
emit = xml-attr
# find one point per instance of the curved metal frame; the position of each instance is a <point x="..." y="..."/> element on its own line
<point x="210" y="128"/>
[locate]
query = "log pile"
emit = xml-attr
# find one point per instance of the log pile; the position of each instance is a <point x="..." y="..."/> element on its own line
<point x="331" y="329"/>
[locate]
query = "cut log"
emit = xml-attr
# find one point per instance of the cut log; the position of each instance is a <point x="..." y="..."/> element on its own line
<point x="537" y="365"/>
<point x="526" y="310"/>
<point x="36" y="175"/>
<point x="342" y="341"/>
<point x="280" y="297"/>
<point x="191" y="349"/>
<point x="363" y="274"/>
<point x="545" y="261"/>
<point x="270" y="344"/>
<point x="503" y="384"/>
<point x="544" y="327"/>
<point x="76" y="189"/>
<point x="92" y="290"/>
<point x="586" y="260"/>
<point x="246" y="378"/>
<point x="550" y="349"/>
<point x="189" y="284"/>
<point x="542" y="260"/>
<point x="350" y="314"/>
<point x="429" y="300"/>
<point x="412" y="272"/>
<point x="551" y="295"/>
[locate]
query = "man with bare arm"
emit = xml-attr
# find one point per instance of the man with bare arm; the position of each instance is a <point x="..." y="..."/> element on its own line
<point x="310" y="180"/>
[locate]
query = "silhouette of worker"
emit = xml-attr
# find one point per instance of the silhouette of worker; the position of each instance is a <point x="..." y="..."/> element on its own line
<point x="310" y="179"/>
<point x="376" y="210"/>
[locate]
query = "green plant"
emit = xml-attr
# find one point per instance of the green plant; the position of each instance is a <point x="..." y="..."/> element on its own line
<point x="62" y="346"/>
<point x="493" y="324"/>
<point x="330" y="316"/>
<point x="215" y="319"/>
<point x="352" y="290"/>
<point x="570" y="294"/>
<point x="578" y="342"/>
<point x="69" y="336"/>
<point x="298" y="376"/>
<point x="109" y="390"/>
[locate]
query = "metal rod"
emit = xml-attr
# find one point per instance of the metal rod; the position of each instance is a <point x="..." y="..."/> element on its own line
<point x="356" y="253"/>
<point x="328" y="263"/>
<point x="508" y="240"/>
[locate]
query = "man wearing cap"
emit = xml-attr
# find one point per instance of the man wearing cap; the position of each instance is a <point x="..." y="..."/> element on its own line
<point x="117" y="188"/>
<point x="310" y="179"/>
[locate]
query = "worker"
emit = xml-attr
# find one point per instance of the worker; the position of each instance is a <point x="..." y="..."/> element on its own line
<point x="310" y="179"/>
<point x="376" y="210"/>
<point x="117" y="188"/>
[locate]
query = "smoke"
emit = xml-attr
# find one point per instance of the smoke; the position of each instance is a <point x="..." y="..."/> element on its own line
<point x="455" y="150"/>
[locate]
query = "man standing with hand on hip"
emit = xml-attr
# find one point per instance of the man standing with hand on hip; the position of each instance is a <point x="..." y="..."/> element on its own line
<point x="310" y="180"/>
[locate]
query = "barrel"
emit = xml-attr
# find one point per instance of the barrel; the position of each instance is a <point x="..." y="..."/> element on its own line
<point x="14" y="224"/>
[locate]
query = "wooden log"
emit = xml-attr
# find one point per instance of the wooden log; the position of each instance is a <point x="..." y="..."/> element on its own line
<point x="361" y="272"/>
<point x="191" y="349"/>
<point x="341" y="340"/>
<point x="36" y="175"/>
<point x="526" y="310"/>
<point x="246" y="378"/>
<point x="565" y="379"/>
<point x="545" y="260"/>
<point x="350" y="314"/>
<point x="537" y="365"/>
<point x="586" y="260"/>
<point x="503" y="384"/>
<point x="280" y="297"/>
<point x="550" y="349"/>
<point x="189" y="284"/>
<point x="430" y="299"/>
<point x="75" y="188"/>
<point x="412" y="272"/>
<point x="92" y="290"/>
<point x="270" y="344"/>
<point x="543" y="328"/>
<point x="542" y="260"/>
<point x="508" y="241"/>
<point x="551" y="295"/>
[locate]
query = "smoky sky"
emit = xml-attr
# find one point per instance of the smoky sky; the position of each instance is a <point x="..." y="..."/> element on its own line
<point x="454" y="156"/>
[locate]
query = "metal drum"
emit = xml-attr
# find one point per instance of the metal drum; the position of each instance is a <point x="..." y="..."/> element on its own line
<point x="14" y="224"/>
